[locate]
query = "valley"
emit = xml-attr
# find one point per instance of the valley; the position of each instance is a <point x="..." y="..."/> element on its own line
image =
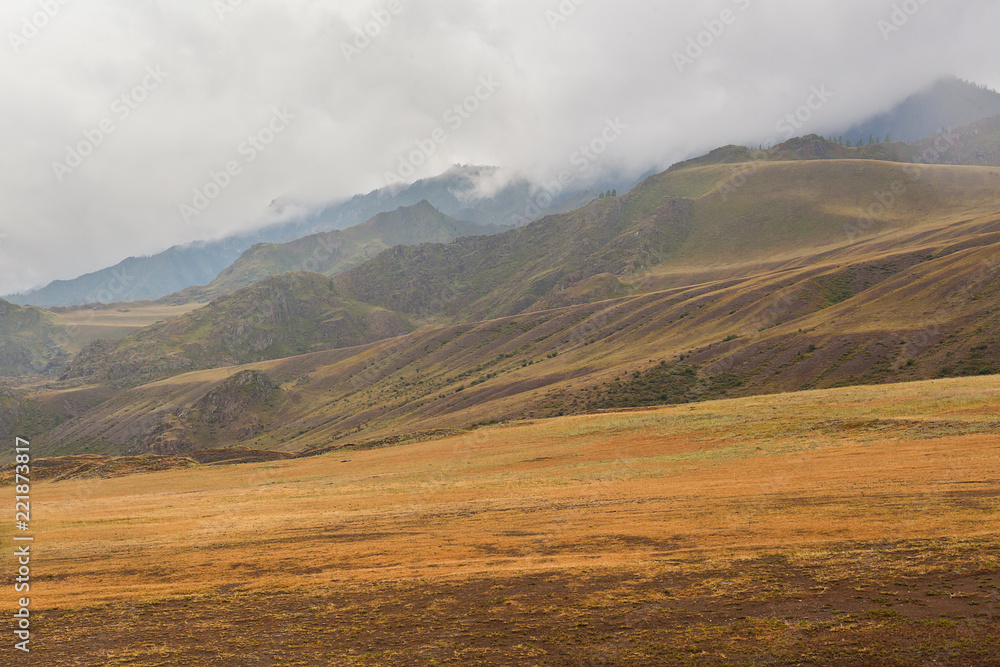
<point x="480" y="334"/>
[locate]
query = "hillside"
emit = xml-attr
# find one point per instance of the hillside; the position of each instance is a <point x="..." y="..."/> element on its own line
<point x="282" y="316"/>
<point x="976" y="144"/>
<point x="679" y="291"/>
<point x="456" y="193"/>
<point x="676" y="219"/>
<point x="810" y="147"/>
<point x="31" y="343"/>
<point x="38" y="344"/>
<point x="334" y="252"/>
<point x="695" y="216"/>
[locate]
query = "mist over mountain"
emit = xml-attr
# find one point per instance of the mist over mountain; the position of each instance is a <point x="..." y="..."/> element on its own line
<point x="334" y="252"/>
<point x="458" y="193"/>
<point x="948" y="103"/>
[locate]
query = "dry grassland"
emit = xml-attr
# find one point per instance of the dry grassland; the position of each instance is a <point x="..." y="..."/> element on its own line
<point x="852" y="526"/>
<point x="85" y="325"/>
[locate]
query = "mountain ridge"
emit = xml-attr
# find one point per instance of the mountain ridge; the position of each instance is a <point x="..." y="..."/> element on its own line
<point x="198" y="263"/>
<point x="333" y="252"/>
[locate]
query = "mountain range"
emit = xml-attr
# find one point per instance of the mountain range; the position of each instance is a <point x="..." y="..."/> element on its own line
<point x="456" y="193"/>
<point x="719" y="277"/>
<point x="334" y="252"/>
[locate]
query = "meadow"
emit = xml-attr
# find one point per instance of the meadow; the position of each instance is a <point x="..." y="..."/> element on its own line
<point x="843" y="526"/>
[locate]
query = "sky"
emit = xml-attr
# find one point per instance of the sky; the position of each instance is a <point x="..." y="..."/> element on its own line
<point x="129" y="126"/>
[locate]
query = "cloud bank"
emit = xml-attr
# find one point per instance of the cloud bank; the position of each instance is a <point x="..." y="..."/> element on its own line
<point x="133" y="125"/>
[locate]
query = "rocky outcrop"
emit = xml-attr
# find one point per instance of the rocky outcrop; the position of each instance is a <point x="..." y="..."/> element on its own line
<point x="236" y="396"/>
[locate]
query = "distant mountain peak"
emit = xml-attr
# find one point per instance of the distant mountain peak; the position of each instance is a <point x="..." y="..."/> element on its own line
<point x="947" y="103"/>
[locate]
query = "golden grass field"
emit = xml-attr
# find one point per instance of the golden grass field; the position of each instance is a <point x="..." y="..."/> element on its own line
<point x="849" y="526"/>
<point x="113" y="322"/>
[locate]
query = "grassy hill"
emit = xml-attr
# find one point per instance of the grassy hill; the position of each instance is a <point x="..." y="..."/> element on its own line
<point x="334" y="252"/>
<point x="838" y="527"/>
<point x="810" y="147"/>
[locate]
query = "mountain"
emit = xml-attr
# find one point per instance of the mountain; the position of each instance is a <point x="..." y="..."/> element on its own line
<point x="38" y="342"/>
<point x="742" y="272"/>
<point x="977" y="144"/>
<point x="464" y="192"/>
<point x="144" y="278"/>
<point x="334" y="252"/>
<point x="553" y="265"/>
<point x="946" y="104"/>
<point x="457" y="193"/>
<point x="810" y="147"/>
